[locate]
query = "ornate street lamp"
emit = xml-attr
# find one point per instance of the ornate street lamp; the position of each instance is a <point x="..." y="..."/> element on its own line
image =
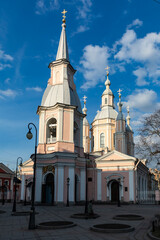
<point x="29" y="135"/>
<point x="15" y="180"/>
<point x="68" y="179"/>
<point x="25" y="192"/>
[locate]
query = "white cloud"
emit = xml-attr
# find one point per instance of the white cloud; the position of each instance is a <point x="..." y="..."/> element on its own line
<point x="8" y="93"/>
<point x="136" y="23"/>
<point x="142" y="100"/>
<point x="3" y="66"/>
<point x="144" y="51"/>
<point x="43" y="6"/>
<point x="3" y="59"/>
<point x="84" y="8"/>
<point x="36" y="89"/>
<point x="141" y="74"/>
<point x="80" y="29"/>
<point x="7" y="80"/>
<point x="94" y="62"/>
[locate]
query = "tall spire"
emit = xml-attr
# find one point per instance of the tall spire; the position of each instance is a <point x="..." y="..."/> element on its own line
<point x="84" y="109"/>
<point x="62" y="52"/>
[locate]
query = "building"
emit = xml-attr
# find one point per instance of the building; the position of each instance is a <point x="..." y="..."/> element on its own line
<point x="6" y="183"/>
<point x="110" y="169"/>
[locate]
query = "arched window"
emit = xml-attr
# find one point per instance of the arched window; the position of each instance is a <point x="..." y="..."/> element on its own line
<point x="51" y="130"/>
<point x="105" y="100"/>
<point x="102" y="140"/>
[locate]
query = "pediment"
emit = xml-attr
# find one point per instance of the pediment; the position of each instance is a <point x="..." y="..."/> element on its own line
<point x="5" y="170"/>
<point x="28" y="163"/>
<point x="115" y="155"/>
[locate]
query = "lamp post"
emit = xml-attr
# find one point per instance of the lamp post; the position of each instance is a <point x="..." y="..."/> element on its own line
<point x="68" y="179"/>
<point x="15" y="186"/>
<point x="25" y="192"/>
<point x="86" y="202"/>
<point x="29" y="135"/>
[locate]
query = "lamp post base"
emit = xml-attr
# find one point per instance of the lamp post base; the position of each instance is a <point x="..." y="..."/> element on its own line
<point x="14" y="206"/>
<point x="32" y="220"/>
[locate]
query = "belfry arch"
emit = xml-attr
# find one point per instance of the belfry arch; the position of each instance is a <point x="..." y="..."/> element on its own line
<point x="51" y="130"/>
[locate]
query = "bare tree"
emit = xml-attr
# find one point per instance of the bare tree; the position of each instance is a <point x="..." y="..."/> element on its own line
<point x="148" y="145"/>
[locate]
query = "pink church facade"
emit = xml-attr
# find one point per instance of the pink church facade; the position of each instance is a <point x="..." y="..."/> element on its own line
<point x="110" y="171"/>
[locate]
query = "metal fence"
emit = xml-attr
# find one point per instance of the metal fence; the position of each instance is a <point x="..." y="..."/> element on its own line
<point x="146" y="197"/>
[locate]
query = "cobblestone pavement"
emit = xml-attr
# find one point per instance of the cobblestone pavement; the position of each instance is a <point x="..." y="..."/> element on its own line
<point x="16" y="227"/>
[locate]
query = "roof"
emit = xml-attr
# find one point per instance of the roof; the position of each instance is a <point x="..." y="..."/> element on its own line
<point x="106" y="112"/>
<point x="62" y="52"/>
<point x="6" y="169"/>
<point x="121" y="156"/>
<point x="60" y="94"/>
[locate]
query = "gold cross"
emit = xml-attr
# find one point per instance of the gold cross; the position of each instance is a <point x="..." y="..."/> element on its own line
<point x="119" y="92"/>
<point x="128" y="109"/>
<point x="107" y="68"/>
<point x="84" y="99"/>
<point x="64" y="12"/>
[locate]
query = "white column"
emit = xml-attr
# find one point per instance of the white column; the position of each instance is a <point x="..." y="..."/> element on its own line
<point x="83" y="184"/>
<point x="71" y="184"/>
<point x="81" y="132"/>
<point x="121" y="188"/>
<point x="60" y="125"/>
<point x="99" y="186"/>
<point x="41" y="127"/>
<point x="38" y="189"/>
<point x="22" y="187"/>
<point x="96" y="140"/>
<point x="60" y="184"/>
<point x="71" y="125"/>
<point x="131" y="186"/>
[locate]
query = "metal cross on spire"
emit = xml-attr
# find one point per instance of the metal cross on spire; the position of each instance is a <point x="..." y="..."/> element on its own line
<point x="64" y="16"/>
<point x="119" y="92"/>
<point x="84" y="99"/>
<point x="107" y="68"/>
<point x="128" y="109"/>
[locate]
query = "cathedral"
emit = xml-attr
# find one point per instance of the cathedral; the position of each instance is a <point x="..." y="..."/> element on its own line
<point x="71" y="156"/>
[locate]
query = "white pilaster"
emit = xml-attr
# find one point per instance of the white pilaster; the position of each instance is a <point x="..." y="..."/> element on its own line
<point x="99" y="187"/>
<point x="71" y="126"/>
<point x="60" y="124"/>
<point x="83" y="184"/>
<point x="81" y="132"/>
<point x="131" y="185"/>
<point x="60" y="183"/>
<point x="38" y="190"/>
<point x="71" y="184"/>
<point x="41" y="127"/>
<point x="22" y="187"/>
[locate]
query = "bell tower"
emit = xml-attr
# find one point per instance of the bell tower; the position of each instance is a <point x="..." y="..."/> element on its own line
<point x="60" y="114"/>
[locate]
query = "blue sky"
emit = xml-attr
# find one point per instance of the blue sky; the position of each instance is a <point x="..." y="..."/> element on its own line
<point x="122" y="34"/>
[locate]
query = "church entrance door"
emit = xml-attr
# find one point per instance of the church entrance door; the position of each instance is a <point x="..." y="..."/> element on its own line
<point x="114" y="191"/>
<point x="49" y="188"/>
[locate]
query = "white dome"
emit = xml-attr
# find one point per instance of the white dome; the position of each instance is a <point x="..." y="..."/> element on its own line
<point x="106" y="112"/>
<point x="60" y="94"/>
